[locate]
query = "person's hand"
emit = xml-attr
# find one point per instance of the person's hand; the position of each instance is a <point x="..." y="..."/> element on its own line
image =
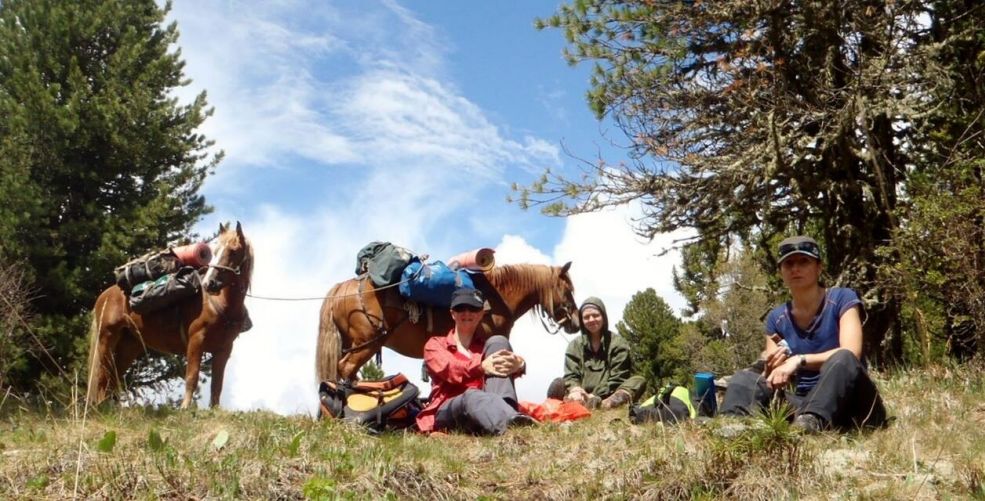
<point x="780" y="376"/>
<point x="776" y="358"/>
<point x="502" y="363"/>
<point x="518" y="363"/>
<point x="510" y="362"/>
<point x="496" y="364"/>
<point x="577" y="394"/>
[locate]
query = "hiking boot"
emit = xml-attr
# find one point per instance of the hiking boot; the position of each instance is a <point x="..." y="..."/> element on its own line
<point x="809" y="423"/>
<point x="617" y="399"/>
<point x="556" y="390"/>
<point x="521" y="420"/>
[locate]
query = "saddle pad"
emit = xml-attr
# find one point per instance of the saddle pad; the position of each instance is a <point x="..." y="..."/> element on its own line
<point x="362" y="402"/>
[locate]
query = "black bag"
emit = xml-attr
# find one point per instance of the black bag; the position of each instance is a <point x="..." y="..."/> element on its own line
<point x="148" y="267"/>
<point x="384" y="262"/>
<point x="149" y="296"/>
<point x="388" y="404"/>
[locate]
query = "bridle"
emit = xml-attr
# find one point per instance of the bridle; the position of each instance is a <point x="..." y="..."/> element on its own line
<point x="220" y="268"/>
<point x="547" y="320"/>
<point x="235" y="271"/>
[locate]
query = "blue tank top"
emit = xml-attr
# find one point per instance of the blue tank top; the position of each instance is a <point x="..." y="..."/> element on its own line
<point x="820" y="336"/>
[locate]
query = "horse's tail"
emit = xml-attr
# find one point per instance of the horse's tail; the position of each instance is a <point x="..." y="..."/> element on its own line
<point x="329" y="346"/>
<point x="94" y="363"/>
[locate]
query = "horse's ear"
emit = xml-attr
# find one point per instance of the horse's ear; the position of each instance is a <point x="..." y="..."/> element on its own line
<point x="239" y="230"/>
<point x="222" y="228"/>
<point x="564" y="269"/>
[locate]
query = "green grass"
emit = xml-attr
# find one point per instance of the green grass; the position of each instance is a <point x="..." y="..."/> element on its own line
<point x="935" y="449"/>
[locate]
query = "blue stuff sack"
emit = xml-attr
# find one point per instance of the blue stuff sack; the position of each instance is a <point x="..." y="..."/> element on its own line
<point x="432" y="283"/>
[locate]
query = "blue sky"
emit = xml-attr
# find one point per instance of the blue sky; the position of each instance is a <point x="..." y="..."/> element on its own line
<point x="349" y="122"/>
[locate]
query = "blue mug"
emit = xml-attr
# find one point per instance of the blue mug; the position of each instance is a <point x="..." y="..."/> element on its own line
<point x="704" y="391"/>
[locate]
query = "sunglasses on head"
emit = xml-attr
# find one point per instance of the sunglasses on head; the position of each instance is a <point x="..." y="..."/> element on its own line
<point x="808" y="247"/>
<point x="464" y="307"/>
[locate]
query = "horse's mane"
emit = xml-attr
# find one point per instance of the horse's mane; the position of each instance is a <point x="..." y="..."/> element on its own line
<point x="246" y="267"/>
<point x="524" y="278"/>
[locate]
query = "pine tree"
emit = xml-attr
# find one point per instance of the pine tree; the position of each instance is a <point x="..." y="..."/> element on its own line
<point x="371" y="372"/>
<point x="650" y="327"/>
<point x="100" y="162"/>
<point x="759" y="119"/>
<point x="940" y="253"/>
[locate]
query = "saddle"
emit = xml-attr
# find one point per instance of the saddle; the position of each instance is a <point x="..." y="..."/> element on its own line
<point x="387" y="404"/>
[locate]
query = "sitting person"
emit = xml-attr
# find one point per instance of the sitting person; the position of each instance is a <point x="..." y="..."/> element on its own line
<point x="471" y="378"/>
<point x="597" y="366"/>
<point x="816" y="340"/>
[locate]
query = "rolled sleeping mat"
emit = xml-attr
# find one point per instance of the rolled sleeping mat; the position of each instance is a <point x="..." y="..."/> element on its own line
<point x="478" y="260"/>
<point x="198" y="254"/>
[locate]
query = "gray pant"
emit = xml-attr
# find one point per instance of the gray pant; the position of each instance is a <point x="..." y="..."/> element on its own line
<point x="844" y="397"/>
<point x="482" y="412"/>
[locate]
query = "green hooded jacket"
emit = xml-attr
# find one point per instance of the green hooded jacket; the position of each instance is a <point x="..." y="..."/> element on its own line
<point x="600" y="373"/>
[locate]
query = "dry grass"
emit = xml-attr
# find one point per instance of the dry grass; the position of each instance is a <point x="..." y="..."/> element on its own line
<point x="935" y="449"/>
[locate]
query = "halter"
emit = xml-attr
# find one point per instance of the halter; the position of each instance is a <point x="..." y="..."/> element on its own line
<point x="236" y="271"/>
<point x="547" y="318"/>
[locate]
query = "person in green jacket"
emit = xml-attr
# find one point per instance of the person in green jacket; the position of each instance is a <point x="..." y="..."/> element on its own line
<point x="597" y="367"/>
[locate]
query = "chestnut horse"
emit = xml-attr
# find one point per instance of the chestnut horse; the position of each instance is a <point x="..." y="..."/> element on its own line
<point x="209" y="322"/>
<point x="357" y="320"/>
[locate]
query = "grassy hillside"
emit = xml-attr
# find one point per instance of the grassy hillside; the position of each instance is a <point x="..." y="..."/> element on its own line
<point x="935" y="449"/>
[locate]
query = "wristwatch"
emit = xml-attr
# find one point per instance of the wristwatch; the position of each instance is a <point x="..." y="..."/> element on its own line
<point x="803" y="361"/>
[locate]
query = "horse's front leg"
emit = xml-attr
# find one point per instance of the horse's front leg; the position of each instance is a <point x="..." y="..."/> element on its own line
<point x="194" y="354"/>
<point x="219" y="359"/>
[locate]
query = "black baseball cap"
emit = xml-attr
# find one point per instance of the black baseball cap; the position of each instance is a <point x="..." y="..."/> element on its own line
<point x="466" y="297"/>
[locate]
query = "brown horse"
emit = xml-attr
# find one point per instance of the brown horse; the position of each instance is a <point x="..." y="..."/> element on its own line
<point x="357" y="320"/>
<point x="209" y="322"/>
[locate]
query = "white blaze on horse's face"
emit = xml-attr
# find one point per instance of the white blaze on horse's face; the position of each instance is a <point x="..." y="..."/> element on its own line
<point x="211" y="284"/>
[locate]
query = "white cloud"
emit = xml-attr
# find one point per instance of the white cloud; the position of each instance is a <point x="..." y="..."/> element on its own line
<point x="397" y="117"/>
<point x="331" y="88"/>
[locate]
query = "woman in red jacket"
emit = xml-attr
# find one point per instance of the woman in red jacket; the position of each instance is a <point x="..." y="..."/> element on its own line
<point x="471" y="377"/>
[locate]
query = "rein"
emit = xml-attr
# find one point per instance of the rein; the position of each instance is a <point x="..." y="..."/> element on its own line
<point x="547" y="324"/>
<point x="337" y="296"/>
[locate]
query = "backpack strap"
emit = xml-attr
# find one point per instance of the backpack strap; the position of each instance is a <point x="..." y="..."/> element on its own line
<point x="382" y="385"/>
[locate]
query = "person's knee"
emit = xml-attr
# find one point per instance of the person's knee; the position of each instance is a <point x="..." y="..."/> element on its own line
<point x="745" y="390"/>
<point x="472" y="397"/>
<point x="745" y="378"/>
<point x="496" y="343"/>
<point x="843" y="359"/>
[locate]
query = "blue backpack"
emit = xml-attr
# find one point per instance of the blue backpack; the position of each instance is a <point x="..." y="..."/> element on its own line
<point x="432" y="283"/>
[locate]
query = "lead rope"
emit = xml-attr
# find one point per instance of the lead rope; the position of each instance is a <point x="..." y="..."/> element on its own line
<point x="340" y="296"/>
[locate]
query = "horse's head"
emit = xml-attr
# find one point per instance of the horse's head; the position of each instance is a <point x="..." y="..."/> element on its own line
<point x="232" y="260"/>
<point x="564" y="309"/>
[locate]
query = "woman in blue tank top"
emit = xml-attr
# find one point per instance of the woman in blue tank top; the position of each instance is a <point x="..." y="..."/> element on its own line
<point x="814" y="340"/>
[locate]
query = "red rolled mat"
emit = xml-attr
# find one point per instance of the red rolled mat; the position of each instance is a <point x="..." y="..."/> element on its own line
<point x="478" y="259"/>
